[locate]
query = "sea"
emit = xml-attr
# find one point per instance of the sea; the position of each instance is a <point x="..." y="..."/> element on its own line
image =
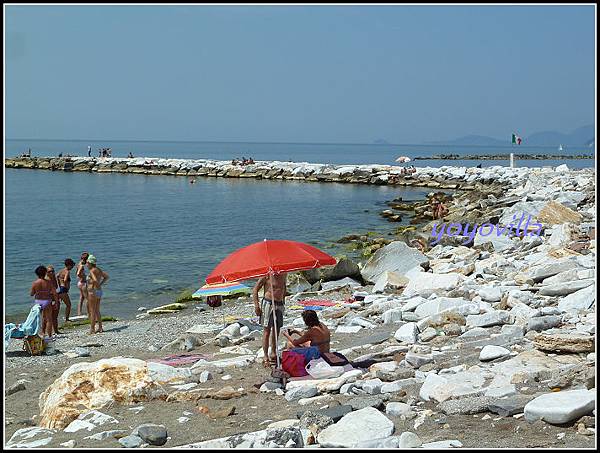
<point x="158" y="236"/>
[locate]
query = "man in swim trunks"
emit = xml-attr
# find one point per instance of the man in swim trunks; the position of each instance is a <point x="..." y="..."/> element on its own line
<point x="64" y="285"/>
<point x="81" y="281"/>
<point x="44" y="294"/>
<point x="274" y="290"/>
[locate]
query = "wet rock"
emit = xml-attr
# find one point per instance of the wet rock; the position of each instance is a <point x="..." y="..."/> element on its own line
<point x="359" y="426"/>
<point x="561" y="407"/>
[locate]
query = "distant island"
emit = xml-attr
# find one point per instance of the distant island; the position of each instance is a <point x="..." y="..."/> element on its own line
<point x="583" y="137"/>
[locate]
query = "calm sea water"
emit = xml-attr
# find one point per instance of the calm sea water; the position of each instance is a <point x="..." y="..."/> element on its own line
<point x="320" y="153"/>
<point x="158" y="235"/>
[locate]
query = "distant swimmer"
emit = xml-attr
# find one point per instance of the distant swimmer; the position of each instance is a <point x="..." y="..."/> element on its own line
<point x="192" y="181"/>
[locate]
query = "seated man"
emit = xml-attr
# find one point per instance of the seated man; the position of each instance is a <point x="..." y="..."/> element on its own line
<point x="316" y="335"/>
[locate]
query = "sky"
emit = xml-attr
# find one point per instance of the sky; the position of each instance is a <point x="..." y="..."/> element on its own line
<point x="340" y="74"/>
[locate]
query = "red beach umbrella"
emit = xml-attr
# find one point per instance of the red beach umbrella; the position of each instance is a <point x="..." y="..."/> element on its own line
<point x="269" y="258"/>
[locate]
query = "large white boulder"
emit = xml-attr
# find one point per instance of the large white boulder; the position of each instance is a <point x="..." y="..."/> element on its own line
<point x="358" y="426"/>
<point x="396" y="257"/>
<point x="579" y="300"/>
<point x="93" y="385"/>
<point x="425" y="283"/>
<point x="408" y="333"/>
<point x="561" y="407"/>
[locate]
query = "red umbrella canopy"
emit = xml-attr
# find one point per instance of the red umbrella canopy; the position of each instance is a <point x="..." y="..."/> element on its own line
<point x="266" y="257"/>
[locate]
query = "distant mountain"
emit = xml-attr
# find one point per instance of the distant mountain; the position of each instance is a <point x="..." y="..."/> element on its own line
<point x="579" y="137"/>
<point x="582" y="136"/>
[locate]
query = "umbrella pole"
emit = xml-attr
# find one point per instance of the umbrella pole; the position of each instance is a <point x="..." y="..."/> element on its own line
<point x="274" y="321"/>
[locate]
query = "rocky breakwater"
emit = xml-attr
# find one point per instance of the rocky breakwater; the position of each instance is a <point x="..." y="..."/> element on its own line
<point x="444" y="177"/>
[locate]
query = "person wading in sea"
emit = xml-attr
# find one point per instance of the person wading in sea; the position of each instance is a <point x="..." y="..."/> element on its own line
<point x="81" y="281"/>
<point x="96" y="279"/>
<point x="274" y="290"/>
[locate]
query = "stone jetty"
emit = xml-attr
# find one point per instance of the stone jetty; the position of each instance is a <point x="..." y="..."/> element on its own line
<point x="446" y="177"/>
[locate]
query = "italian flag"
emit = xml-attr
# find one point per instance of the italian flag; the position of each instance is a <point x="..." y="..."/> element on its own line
<point x="516" y="140"/>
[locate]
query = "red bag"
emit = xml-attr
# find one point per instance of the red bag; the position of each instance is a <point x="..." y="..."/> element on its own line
<point x="293" y="363"/>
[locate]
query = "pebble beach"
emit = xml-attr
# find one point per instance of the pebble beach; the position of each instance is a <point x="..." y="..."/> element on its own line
<point x="483" y="341"/>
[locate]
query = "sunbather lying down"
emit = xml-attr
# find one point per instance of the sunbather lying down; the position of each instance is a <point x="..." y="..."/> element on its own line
<point x="317" y="333"/>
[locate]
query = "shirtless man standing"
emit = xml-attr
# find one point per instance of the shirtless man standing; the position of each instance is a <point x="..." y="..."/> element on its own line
<point x="81" y="281"/>
<point x="274" y="290"/>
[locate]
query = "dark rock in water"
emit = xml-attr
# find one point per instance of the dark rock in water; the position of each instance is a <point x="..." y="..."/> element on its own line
<point x="366" y="401"/>
<point x="509" y="406"/>
<point x="153" y="434"/>
<point x="335" y="413"/>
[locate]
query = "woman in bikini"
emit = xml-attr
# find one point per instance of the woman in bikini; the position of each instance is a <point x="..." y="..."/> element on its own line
<point x="64" y="285"/>
<point x="44" y="295"/>
<point x="96" y="279"/>
<point x="51" y="277"/>
<point x="317" y="334"/>
<point x="81" y="281"/>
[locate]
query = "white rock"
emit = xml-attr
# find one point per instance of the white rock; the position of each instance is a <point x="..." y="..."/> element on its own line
<point x="301" y="392"/>
<point x="561" y="407"/>
<point x="409" y="440"/>
<point x="443" y="444"/>
<point x="491" y="352"/>
<point x="398" y="409"/>
<point x="425" y="283"/>
<point x="358" y="426"/>
<point x="579" y="300"/>
<point x="396" y="257"/>
<point x="348" y="329"/>
<point x="32" y="437"/>
<point x="490" y="293"/>
<point x="407" y="333"/>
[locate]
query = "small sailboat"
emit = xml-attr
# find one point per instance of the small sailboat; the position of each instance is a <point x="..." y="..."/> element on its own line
<point x="560" y="148"/>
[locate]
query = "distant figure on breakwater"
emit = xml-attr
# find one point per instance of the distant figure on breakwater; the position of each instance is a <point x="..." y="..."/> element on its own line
<point x="27" y="154"/>
<point x="130" y="155"/>
<point x="89" y="151"/>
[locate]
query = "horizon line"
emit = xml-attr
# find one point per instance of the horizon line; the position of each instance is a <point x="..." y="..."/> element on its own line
<point x="434" y="143"/>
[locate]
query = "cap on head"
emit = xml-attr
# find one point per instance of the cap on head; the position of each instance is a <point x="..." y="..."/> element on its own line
<point x="91" y="259"/>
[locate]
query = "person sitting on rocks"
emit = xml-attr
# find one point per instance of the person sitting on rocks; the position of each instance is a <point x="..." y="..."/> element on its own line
<point x="250" y="161"/>
<point x="234" y="162"/>
<point x="317" y="333"/>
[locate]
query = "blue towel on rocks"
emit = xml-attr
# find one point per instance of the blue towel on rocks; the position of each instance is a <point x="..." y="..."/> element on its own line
<point x="31" y="326"/>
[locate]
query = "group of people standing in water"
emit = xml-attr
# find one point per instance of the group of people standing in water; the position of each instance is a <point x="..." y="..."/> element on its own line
<point x="49" y="289"/>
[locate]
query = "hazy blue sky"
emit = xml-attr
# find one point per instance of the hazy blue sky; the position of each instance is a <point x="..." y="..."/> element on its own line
<point x="330" y="74"/>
